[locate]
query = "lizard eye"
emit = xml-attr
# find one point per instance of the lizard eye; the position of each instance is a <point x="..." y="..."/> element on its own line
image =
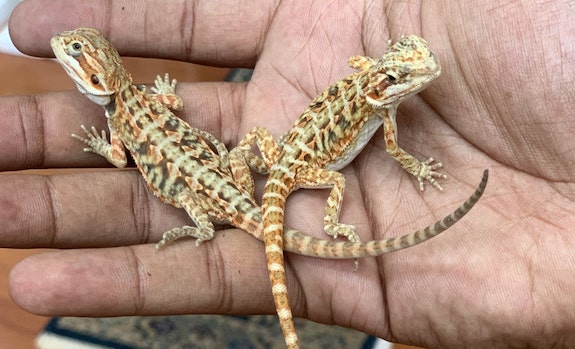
<point x="391" y="77"/>
<point x="75" y="48"/>
<point x="94" y="79"/>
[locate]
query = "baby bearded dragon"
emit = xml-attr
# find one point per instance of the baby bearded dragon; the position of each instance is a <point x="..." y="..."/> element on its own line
<point x="177" y="161"/>
<point x="329" y="135"/>
<point x="85" y="54"/>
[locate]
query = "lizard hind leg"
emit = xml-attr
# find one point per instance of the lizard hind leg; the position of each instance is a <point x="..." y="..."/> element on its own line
<point x="322" y="178"/>
<point x="242" y="159"/>
<point x="204" y="229"/>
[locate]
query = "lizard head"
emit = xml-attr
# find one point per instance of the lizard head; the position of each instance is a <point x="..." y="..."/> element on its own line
<point x="92" y="63"/>
<point x="405" y="69"/>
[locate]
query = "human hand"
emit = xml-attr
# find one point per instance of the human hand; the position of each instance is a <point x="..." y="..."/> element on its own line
<point x="502" y="275"/>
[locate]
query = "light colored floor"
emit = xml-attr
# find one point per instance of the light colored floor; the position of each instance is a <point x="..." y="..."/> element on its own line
<point x="20" y="75"/>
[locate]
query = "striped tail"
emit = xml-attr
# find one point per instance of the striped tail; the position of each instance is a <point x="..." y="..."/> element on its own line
<point x="277" y="189"/>
<point x="303" y="244"/>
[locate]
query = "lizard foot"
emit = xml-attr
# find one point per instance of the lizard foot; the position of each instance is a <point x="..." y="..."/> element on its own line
<point x="427" y="173"/>
<point x="185" y="231"/>
<point x="164" y="86"/>
<point x="165" y="92"/>
<point x="97" y="143"/>
<point x="346" y="230"/>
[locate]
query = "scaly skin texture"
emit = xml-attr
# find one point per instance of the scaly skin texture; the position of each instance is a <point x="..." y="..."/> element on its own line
<point x="328" y="135"/>
<point x="187" y="167"/>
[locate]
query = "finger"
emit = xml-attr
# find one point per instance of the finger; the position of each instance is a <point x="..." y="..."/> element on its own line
<point x="226" y="32"/>
<point x="36" y="129"/>
<point x="89" y="209"/>
<point x="137" y="280"/>
<point x="224" y="276"/>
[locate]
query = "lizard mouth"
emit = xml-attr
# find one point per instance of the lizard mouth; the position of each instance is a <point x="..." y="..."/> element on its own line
<point x="385" y="93"/>
<point x="73" y="67"/>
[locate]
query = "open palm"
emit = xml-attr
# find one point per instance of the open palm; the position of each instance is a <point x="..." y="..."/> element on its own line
<point x="502" y="276"/>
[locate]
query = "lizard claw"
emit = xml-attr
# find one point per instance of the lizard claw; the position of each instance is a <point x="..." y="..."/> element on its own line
<point x="164" y="92"/>
<point x="95" y="141"/>
<point x="164" y="86"/>
<point x="427" y="173"/>
<point x="200" y="234"/>
<point x="339" y="229"/>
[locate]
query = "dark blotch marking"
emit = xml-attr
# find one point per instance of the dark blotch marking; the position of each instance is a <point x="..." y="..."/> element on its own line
<point x="333" y="90"/>
<point x="173" y="124"/>
<point x="139" y="123"/>
<point x="315" y="105"/>
<point x="125" y="95"/>
<point x="353" y="108"/>
<point x="142" y="149"/>
<point x="130" y="109"/>
<point x="160" y="181"/>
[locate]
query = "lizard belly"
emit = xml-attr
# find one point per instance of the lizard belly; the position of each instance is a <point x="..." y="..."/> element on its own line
<point x="365" y="134"/>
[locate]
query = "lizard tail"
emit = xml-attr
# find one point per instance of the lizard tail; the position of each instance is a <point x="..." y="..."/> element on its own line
<point x="277" y="189"/>
<point x="298" y="242"/>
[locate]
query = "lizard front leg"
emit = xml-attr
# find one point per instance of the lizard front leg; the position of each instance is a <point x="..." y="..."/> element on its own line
<point x="164" y="92"/>
<point x="113" y="151"/>
<point x="421" y="170"/>
<point x="361" y="62"/>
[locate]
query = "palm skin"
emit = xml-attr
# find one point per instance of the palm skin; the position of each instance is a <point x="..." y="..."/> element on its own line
<point x="501" y="277"/>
